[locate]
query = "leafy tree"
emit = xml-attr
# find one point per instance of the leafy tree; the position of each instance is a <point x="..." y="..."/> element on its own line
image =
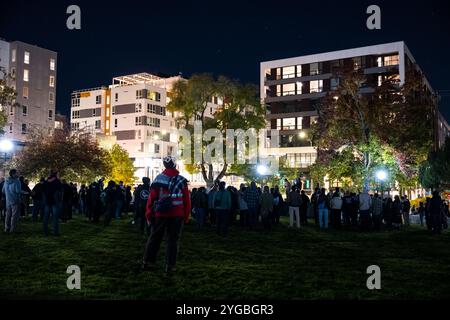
<point x="389" y="127"/>
<point x="76" y="156"/>
<point x="241" y="109"/>
<point x="122" y="168"/>
<point x="435" y="171"/>
<point x="7" y="98"/>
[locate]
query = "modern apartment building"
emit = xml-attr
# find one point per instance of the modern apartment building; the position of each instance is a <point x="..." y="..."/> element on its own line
<point x="33" y="75"/>
<point x="133" y="110"/>
<point x="292" y="88"/>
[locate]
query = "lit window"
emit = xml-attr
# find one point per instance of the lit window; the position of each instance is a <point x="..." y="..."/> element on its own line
<point x="391" y="60"/>
<point x="25" y="92"/>
<point x="278" y="124"/>
<point x="289" y="72"/>
<point x="288" y="124"/>
<point x="52" y="81"/>
<point x="299" y="87"/>
<point x="299" y="71"/>
<point x="13" y="55"/>
<point x="289" y="89"/>
<point x="52" y="64"/>
<point x="278" y="90"/>
<point x="379" y="62"/>
<point x="299" y="123"/>
<point x="314" y="69"/>
<point x="26" y="75"/>
<point x="51" y="97"/>
<point x="24" y="110"/>
<point x="380" y="80"/>
<point x="26" y="57"/>
<point x="316" y="86"/>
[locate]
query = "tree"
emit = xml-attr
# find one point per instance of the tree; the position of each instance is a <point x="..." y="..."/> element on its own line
<point x="76" y="156"/>
<point x="241" y="109"/>
<point x="122" y="168"/>
<point x="392" y="123"/>
<point x="434" y="173"/>
<point x="7" y="98"/>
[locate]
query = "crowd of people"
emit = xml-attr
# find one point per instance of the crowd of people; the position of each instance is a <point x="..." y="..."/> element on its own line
<point x="163" y="206"/>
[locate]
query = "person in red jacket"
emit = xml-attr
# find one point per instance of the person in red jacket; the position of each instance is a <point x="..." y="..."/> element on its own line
<point x="168" y="208"/>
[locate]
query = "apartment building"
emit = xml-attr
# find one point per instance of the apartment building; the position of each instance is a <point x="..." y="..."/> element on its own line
<point x="33" y="75"/>
<point x="133" y="110"/>
<point x="292" y="88"/>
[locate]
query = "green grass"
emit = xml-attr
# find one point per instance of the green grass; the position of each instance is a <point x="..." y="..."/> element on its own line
<point x="282" y="264"/>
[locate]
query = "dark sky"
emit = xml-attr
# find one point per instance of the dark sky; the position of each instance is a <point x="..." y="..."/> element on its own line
<point x="222" y="37"/>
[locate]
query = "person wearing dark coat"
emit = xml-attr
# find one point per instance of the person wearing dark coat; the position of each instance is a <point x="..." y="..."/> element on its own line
<point x="53" y="200"/>
<point x="277" y="205"/>
<point x="397" y="213"/>
<point x="110" y="201"/>
<point x="436" y="213"/>
<point x="37" y="195"/>
<point x="304" y="208"/>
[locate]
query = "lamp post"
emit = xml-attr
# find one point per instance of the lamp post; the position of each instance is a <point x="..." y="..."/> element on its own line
<point x="6" y="146"/>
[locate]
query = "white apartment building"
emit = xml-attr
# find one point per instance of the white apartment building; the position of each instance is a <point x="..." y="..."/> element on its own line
<point x="133" y="110"/>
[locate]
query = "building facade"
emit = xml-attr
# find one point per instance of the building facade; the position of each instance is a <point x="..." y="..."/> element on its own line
<point x="33" y="73"/>
<point x="292" y="89"/>
<point x="133" y="109"/>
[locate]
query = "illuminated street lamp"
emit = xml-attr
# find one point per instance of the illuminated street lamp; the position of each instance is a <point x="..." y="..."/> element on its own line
<point x="262" y="170"/>
<point x="381" y="176"/>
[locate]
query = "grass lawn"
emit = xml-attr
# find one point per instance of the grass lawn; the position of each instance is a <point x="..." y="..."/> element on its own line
<point x="282" y="264"/>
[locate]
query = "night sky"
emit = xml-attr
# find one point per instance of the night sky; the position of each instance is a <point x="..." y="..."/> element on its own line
<point x="222" y="37"/>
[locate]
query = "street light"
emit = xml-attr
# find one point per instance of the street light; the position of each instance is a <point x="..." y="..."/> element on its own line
<point x="381" y="176"/>
<point x="262" y="170"/>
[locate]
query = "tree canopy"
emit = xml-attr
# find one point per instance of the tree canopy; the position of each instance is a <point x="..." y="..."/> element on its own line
<point x="434" y="173"/>
<point x="122" y="168"/>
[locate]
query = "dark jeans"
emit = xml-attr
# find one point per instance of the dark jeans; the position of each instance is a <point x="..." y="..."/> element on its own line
<point x="376" y="222"/>
<point x="118" y="210"/>
<point x="140" y="213"/>
<point x="222" y="217"/>
<point x="212" y="216"/>
<point x="200" y="217"/>
<point x="243" y="217"/>
<point x="436" y="223"/>
<point x="55" y="210"/>
<point x="173" y="226"/>
<point x="364" y="215"/>
<point x="336" y="218"/>
<point x="303" y="215"/>
<point x="252" y="217"/>
<point x="38" y="209"/>
<point x="109" y="212"/>
<point x="276" y="215"/>
<point x="354" y="218"/>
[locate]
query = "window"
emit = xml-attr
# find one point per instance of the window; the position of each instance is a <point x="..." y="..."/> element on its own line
<point x="10" y="128"/>
<point x="314" y="119"/>
<point x="278" y="124"/>
<point x="24" y="110"/>
<point x="299" y="123"/>
<point x="52" y="64"/>
<point x="13" y="55"/>
<point x="289" y="72"/>
<point x="138" y="121"/>
<point x="156" y="148"/>
<point x="50" y="114"/>
<point x="24" y="128"/>
<point x="139" y="94"/>
<point x="97" y="124"/>
<point x="11" y="110"/>
<point x="288" y="124"/>
<point x="138" y="107"/>
<point x="25" y="92"/>
<point x="336" y="65"/>
<point x="357" y="63"/>
<point x="299" y="86"/>
<point x="314" y="69"/>
<point x="334" y="83"/>
<point x="316" y="86"/>
<point x="98" y="99"/>
<point x="169" y="150"/>
<point x="116" y="97"/>
<point x="289" y="89"/>
<point x="94" y="112"/>
<point x="75" y="125"/>
<point x="51" y="97"/>
<point x="113" y="110"/>
<point x="26" y="57"/>
<point x="13" y="73"/>
<point x="155" y="96"/>
<point x="380" y="80"/>
<point x="278" y="90"/>
<point x="52" y="81"/>
<point x="154" y="122"/>
<point x="75" y="100"/>
<point x="391" y="60"/>
<point x="138" y="134"/>
<point x="116" y="123"/>
<point x="76" y="114"/>
<point x="26" y="75"/>
<point x="299" y="71"/>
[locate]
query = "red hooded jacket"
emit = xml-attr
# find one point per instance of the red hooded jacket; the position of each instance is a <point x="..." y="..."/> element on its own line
<point x="179" y="210"/>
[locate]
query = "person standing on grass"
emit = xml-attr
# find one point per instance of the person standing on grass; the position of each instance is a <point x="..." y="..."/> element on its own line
<point x="436" y="213"/>
<point x="346" y="208"/>
<point x="421" y="211"/>
<point x="200" y="205"/>
<point x="397" y="213"/>
<point x="277" y="205"/>
<point x="387" y="212"/>
<point x="222" y="207"/>
<point x="128" y="198"/>
<point x="109" y="199"/>
<point x="2" y="199"/>
<point x="82" y="195"/>
<point x="365" y="204"/>
<point x="37" y="195"/>
<point x="168" y="208"/>
<point x="243" y="208"/>
<point x="294" y="201"/>
<point x="53" y="201"/>
<point x="95" y="189"/>
<point x="251" y="197"/>
<point x="266" y="205"/>
<point x="211" y="212"/>
<point x="377" y="211"/>
<point x="336" y="207"/>
<point x="12" y="190"/>
<point x="304" y="208"/>
<point x="406" y="206"/>
<point x="140" y="202"/>
<point x="322" y="207"/>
